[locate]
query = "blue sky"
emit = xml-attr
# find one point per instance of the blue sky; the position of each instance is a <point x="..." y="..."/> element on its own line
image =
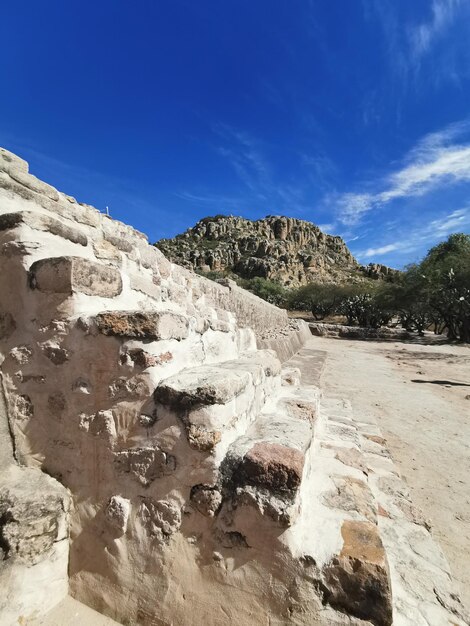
<point x="354" y="114"/>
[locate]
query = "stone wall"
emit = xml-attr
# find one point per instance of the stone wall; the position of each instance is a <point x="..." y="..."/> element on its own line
<point x="93" y="319"/>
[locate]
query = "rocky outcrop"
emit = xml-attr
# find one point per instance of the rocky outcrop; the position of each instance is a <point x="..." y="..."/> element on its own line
<point x="283" y="249"/>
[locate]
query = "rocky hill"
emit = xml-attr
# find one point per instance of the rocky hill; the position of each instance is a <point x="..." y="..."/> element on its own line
<point x="290" y="251"/>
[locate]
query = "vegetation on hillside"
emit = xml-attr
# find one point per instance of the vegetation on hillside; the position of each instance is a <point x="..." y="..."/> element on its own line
<point x="434" y="293"/>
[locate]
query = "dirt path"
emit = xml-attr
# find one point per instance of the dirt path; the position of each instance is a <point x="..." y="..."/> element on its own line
<point x="427" y="425"/>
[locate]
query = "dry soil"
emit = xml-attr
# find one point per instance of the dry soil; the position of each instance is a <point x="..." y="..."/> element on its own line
<point x="420" y="397"/>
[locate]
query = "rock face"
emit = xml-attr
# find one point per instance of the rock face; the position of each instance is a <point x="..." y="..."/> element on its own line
<point x="158" y="463"/>
<point x="283" y="249"/>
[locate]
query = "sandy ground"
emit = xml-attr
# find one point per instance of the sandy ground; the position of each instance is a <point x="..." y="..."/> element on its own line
<point x="69" y="612"/>
<point x="420" y="397"/>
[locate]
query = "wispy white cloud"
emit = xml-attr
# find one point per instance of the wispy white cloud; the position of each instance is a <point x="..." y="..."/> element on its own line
<point x="327" y="228"/>
<point x="380" y="251"/>
<point x="435" y="38"/>
<point x="244" y="154"/>
<point x="416" y="238"/>
<point x="422" y="36"/>
<point x="435" y="161"/>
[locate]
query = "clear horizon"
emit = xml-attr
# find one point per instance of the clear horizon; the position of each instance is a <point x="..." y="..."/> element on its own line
<point x="352" y="116"/>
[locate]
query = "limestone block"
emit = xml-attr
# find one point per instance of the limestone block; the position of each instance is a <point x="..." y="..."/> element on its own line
<point x="33" y="510"/>
<point x="145" y="463"/>
<point x="144" y="359"/>
<point x="20" y="354"/>
<point x="161" y="518"/>
<point x="208" y="384"/>
<point x="21" y="407"/>
<point x="117" y="513"/>
<point x="106" y="251"/>
<point x="123" y="388"/>
<point x="33" y="183"/>
<point x="272" y="466"/>
<point x="358" y="579"/>
<point x="177" y="294"/>
<point x="151" y="325"/>
<point x="9" y="161"/>
<point x="149" y="256"/>
<point x="353" y="495"/>
<point x="291" y="376"/>
<point x="44" y="223"/>
<point x="206" y="499"/>
<point x="120" y="235"/>
<point x="54" y="352"/>
<point x="164" y="266"/>
<point x="103" y="425"/>
<point x="145" y="285"/>
<point x="67" y="275"/>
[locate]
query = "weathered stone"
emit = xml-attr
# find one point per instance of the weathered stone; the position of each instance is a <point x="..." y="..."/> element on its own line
<point x="352" y="494"/>
<point x="106" y="251"/>
<point x="23" y="408"/>
<point x="21" y="354"/>
<point x="291" y="376"/>
<point x="349" y="456"/>
<point x="145" y="285"/>
<point x="206" y="499"/>
<point x="273" y="466"/>
<point x="161" y="518"/>
<point x="7" y="325"/>
<point x="103" y="425"/>
<point x="202" y="439"/>
<point x="9" y="160"/>
<point x="129" y="388"/>
<point x="54" y="352"/>
<point x="33" y="183"/>
<point x="152" y="325"/>
<point x="117" y="513"/>
<point x="357" y="579"/>
<point x="146" y="464"/>
<point x="300" y="409"/>
<point x="206" y="384"/>
<point x="33" y="509"/>
<point x="67" y="275"/>
<point x="143" y="359"/>
<point x="42" y="222"/>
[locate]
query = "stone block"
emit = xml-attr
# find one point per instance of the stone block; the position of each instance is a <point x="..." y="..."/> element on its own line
<point x="103" y="425"/>
<point x="358" y="579"/>
<point x="352" y="495"/>
<point x="206" y="499"/>
<point x="33" y="183"/>
<point x="44" y="223"/>
<point x="161" y="518"/>
<point x="106" y="251"/>
<point x="146" y="464"/>
<point x="151" y="325"/>
<point x="145" y="285"/>
<point x="67" y="275"/>
<point x="203" y="385"/>
<point x="33" y="509"/>
<point x="117" y="513"/>
<point x="9" y="161"/>
<point x="272" y="466"/>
